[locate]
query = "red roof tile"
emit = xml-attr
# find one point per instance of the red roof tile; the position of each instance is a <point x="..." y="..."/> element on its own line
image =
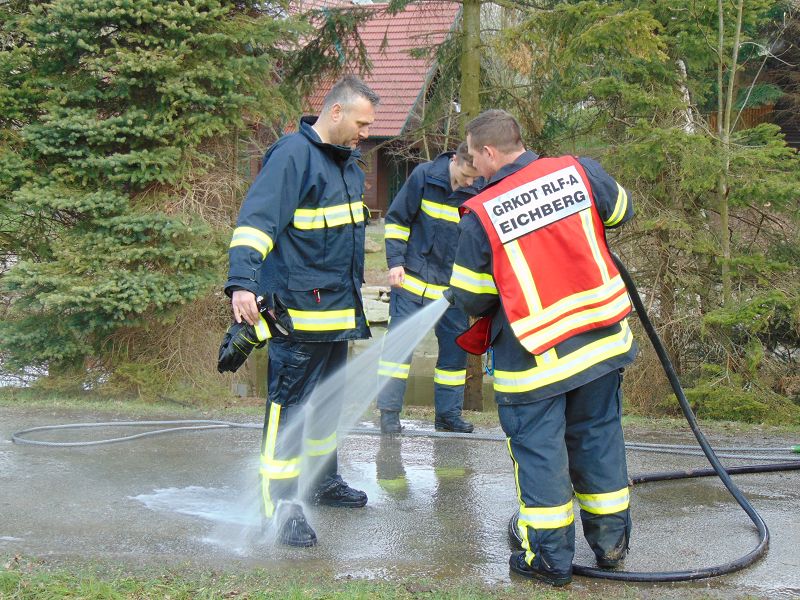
<point x="396" y="76"/>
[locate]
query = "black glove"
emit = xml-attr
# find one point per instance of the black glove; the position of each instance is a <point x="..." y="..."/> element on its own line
<point x="238" y="343"/>
<point x="241" y="338"/>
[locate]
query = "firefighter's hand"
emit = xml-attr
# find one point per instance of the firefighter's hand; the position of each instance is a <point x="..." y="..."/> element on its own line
<point x="243" y="303"/>
<point x="397" y="275"/>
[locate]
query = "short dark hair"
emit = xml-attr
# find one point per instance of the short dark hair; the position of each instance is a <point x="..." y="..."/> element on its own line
<point x="347" y="90"/>
<point x="463" y="155"/>
<point x="496" y="128"/>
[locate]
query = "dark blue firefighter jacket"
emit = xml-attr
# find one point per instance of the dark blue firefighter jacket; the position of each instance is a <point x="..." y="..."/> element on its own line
<point x="422" y="227"/>
<point x="300" y="236"/>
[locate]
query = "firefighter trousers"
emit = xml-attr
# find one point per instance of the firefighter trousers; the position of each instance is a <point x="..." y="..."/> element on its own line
<point x="301" y="418"/>
<point x="571" y="443"/>
<point x="450" y="372"/>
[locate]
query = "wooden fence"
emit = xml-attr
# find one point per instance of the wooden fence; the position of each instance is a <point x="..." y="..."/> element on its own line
<point x="750" y="117"/>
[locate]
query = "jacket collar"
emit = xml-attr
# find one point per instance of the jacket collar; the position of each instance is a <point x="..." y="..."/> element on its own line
<point x="523" y="160"/>
<point x="439" y="173"/>
<point x="337" y="152"/>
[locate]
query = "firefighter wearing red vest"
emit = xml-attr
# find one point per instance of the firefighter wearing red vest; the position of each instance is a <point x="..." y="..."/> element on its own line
<point x="532" y="259"/>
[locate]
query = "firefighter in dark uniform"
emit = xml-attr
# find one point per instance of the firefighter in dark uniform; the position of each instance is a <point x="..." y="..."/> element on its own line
<point x="299" y="243"/>
<point x="533" y="261"/>
<point x="421" y="237"/>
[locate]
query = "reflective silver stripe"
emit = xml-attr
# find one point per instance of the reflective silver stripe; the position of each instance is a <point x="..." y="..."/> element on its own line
<point x="440" y="211"/>
<point x="423" y="288"/>
<point x="323" y="320"/>
<point x="321" y="447"/>
<point x="330" y="216"/>
<point x="357" y="210"/>
<point x="615" y="309"/>
<point x="443" y="377"/>
<point x="280" y="469"/>
<point x="253" y="238"/>
<point x="309" y="218"/>
<point x="563" y="367"/>
<point x="396" y="232"/>
<point x="393" y="369"/>
<point x="547" y="517"/>
<point x="262" y="331"/>
<point x="472" y="281"/>
<point x="605" y="504"/>
<point x="578" y="300"/>
<point x="338" y="215"/>
<point x="620" y="208"/>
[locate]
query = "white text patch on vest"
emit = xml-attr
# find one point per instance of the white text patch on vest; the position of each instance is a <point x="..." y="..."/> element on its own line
<point x="537" y="203"/>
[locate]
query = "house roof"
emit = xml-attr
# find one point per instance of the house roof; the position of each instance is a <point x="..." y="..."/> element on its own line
<point x="396" y="76"/>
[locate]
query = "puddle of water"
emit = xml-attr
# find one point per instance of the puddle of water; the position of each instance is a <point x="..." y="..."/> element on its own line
<point x="212" y="504"/>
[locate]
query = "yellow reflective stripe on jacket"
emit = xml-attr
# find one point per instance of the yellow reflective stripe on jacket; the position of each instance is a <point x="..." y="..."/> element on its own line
<point x="568" y="323"/>
<point x="620" y="208"/>
<point x="323" y="320"/>
<point x="325" y="216"/>
<point x="440" y="211"/>
<point x="321" y="447"/>
<point x="357" y="210"/>
<point x="566" y="366"/>
<point x="397" y="232"/>
<point x="393" y="369"/>
<point x="605" y="504"/>
<point x="253" y="238"/>
<point x="423" y="288"/>
<point x="262" y="331"/>
<point x="340" y="214"/>
<point x="472" y="281"/>
<point x="443" y="377"/>
<point x="546" y="517"/>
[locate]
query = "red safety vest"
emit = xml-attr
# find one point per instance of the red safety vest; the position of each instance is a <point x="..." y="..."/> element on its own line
<point x="551" y="264"/>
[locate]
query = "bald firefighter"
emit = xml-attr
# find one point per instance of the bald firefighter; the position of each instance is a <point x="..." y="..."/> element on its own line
<point x="299" y="243"/>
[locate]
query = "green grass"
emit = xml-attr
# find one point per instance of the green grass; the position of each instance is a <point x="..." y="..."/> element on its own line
<point x="33" y="398"/>
<point x="22" y="580"/>
<point x="375" y="269"/>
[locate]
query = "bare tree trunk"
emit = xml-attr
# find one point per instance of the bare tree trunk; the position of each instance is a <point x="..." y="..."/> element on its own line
<point x="724" y="110"/>
<point x="470" y="107"/>
<point x="688" y="118"/>
<point x="470" y="61"/>
<point x="473" y="389"/>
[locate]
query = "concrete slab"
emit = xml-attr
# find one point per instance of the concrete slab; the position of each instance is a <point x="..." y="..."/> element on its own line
<point x="438" y="509"/>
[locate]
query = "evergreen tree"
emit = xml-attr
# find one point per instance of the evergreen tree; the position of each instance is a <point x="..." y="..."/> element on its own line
<point x="106" y="105"/>
<point x="715" y="244"/>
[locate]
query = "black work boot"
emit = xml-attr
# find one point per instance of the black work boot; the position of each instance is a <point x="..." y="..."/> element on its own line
<point x="455" y="423"/>
<point x="520" y="567"/>
<point x="614" y="557"/>
<point x="390" y="421"/>
<point x="293" y="529"/>
<point x="338" y="494"/>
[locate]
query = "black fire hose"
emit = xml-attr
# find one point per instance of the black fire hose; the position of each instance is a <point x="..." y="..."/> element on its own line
<point x="718" y="469"/>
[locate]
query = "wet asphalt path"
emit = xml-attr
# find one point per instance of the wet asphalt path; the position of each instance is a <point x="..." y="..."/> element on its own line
<point x="438" y="510"/>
